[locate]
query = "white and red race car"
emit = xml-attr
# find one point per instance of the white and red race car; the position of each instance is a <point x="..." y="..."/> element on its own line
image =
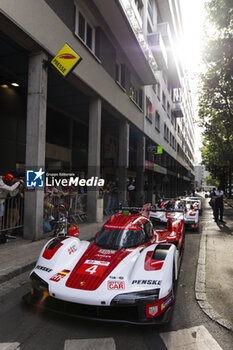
<point x="172" y="208"/>
<point x="195" y="201"/>
<point x="128" y="274"/>
<point x="191" y="214"/>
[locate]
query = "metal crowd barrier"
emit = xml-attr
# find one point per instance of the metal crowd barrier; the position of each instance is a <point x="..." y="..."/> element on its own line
<point x="74" y="204"/>
<point x="13" y="214"/>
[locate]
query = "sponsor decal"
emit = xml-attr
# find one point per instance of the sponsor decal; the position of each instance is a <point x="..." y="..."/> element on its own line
<point x="107" y="251"/>
<point x="72" y="249"/>
<point x="35" y="178"/>
<point x="116" y="285"/>
<point x="149" y="282"/>
<point x="59" y="275"/>
<point x="152" y="310"/>
<point x="116" y="278"/>
<point x="168" y="301"/>
<point x="97" y="262"/>
<point x="43" y="268"/>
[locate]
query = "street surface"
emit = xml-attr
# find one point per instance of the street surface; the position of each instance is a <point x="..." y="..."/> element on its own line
<point x="25" y="328"/>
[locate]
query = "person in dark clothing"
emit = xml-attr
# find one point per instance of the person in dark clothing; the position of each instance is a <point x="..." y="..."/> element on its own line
<point x="218" y="204"/>
<point x="132" y="193"/>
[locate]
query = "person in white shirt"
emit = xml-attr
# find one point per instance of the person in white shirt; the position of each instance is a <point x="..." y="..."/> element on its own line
<point x="218" y="204"/>
<point x="7" y="185"/>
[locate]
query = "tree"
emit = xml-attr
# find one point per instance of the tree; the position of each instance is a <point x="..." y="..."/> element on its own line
<point x="216" y="93"/>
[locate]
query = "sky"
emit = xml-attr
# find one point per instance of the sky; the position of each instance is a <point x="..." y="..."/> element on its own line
<point x="191" y="46"/>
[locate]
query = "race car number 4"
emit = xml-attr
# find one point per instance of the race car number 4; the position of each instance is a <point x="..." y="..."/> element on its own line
<point x="92" y="269"/>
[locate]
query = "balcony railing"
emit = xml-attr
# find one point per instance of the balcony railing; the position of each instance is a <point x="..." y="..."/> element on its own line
<point x="164" y="29"/>
<point x="158" y="48"/>
<point x="136" y="25"/>
<point x="178" y="110"/>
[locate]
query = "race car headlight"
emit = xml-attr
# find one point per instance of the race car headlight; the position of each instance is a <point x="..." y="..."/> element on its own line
<point x="145" y="296"/>
<point x="38" y="283"/>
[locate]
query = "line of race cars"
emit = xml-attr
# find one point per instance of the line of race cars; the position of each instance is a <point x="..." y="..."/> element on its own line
<point x="128" y="274"/>
<point x="191" y="207"/>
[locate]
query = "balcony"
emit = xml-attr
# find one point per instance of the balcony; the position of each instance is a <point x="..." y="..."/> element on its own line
<point x="164" y="29"/>
<point x="174" y="69"/>
<point x="177" y="110"/>
<point x="155" y="40"/>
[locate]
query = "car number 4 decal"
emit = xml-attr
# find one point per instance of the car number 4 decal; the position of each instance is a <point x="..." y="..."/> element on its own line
<point x="92" y="269"/>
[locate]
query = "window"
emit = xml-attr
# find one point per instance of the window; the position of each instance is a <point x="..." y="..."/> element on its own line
<point x="157" y="121"/>
<point x="158" y="91"/>
<point x="165" y="131"/>
<point x="118" y="73"/>
<point x="122" y="82"/>
<point x="151" y="10"/>
<point x="136" y="95"/>
<point x="149" y="110"/>
<point x="164" y="101"/>
<point x="140" y="95"/>
<point x="172" y="118"/>
<point x="148" y="230"/>
<point x="168" y="109"/>
<point x="81" y="26"/>
<point x="85" y="30"/>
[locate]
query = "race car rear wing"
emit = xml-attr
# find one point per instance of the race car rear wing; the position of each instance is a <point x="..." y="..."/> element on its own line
<point x="135" y="210"/>
<point x="145" y="210"/>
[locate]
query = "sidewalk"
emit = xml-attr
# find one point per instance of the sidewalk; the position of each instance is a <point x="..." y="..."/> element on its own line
<point x="214" y="280"/>
<point x="19" y="255"/>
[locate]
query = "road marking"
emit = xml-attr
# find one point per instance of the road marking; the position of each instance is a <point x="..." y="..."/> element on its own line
<point x="195" y="338"/>
<point x="90" y="344"/>
<point x="9" y="346"/>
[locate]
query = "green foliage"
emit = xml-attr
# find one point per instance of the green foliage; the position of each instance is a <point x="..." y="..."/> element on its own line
<point x="211" y="181"/>
<point x="216" y="92"/>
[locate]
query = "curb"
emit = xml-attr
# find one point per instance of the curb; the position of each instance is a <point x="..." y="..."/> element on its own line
<point x="6" y="275"/>
<point x="13" y="272"/>
<point x="200" y="288"/>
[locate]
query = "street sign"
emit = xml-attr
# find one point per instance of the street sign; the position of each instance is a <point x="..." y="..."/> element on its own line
<point x="155" y="149"/>
<point x="66" y="60"/>
<point x="159" y="150"/>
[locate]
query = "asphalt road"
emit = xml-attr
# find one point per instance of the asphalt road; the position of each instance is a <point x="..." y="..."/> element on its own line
<point x="30" y="329"/>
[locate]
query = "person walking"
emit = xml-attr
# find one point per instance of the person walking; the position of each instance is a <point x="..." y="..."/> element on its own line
<point x="218" y="204"/>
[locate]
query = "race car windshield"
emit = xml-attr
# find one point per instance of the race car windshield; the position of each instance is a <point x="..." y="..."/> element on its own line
<point x="118" y="239"/>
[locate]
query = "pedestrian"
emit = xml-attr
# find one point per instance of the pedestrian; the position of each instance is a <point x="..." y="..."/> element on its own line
<point x="212" y="200"/>
<point x="7" y="185"/>
<point x="132" y="193"/>
<point x="218" y="204"/>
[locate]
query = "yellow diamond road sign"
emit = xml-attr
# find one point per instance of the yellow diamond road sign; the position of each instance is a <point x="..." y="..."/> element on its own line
<point x="66" y="60"/>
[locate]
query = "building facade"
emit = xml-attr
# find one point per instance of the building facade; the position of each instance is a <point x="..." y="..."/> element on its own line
<point x="129" y="95"/>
